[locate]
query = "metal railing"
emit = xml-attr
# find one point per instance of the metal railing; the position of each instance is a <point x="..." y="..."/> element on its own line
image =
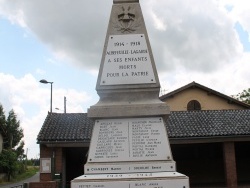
<point x="18" y="186"/>
<point x="23" y="185"/>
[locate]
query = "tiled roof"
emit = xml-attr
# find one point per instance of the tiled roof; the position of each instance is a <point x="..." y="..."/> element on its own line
<point x="66" y="127"/>
<point x="181" y="124"/>
<point x="209" y="123"/>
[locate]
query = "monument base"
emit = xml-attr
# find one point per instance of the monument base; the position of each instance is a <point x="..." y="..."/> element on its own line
<point x="136" y="180"/>
<point x="129" y="110"/>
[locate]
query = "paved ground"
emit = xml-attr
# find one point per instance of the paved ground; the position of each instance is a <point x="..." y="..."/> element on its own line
<point x="219" y="186"/>
<point x="34" y="178"/>
<point x="239" y="186"/>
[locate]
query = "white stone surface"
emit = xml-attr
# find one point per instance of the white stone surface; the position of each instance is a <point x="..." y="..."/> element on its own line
<point x="104" y="109"/>
<point x="129" y="167"/>
<point x="138" y="180"/>
<point x="130" y="139"/>
<point x="127" y="61"/>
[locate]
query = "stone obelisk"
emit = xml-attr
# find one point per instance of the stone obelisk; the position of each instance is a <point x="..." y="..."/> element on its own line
<point x="129" y="145"/>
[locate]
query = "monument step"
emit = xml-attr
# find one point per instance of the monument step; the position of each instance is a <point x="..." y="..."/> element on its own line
<point x="134" y="180"/>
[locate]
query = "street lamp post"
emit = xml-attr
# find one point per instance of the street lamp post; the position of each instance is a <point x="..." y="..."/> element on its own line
<point x="46" y="82"/>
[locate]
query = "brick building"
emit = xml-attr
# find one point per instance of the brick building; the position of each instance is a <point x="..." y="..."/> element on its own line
<point x="209" y="134"/>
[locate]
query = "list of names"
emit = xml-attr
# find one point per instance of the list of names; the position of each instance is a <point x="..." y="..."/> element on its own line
<point x="133" y="139"/>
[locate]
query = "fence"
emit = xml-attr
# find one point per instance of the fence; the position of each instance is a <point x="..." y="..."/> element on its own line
<point x="18" y="186"/>
<point x="51" y="184"/>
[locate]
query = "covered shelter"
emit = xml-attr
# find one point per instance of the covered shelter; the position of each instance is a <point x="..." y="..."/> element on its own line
<point x="210" y="146"/>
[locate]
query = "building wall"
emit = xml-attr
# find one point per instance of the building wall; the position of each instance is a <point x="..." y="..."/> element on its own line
<point x="56" y="161"/>
<point x="208" y="102"/>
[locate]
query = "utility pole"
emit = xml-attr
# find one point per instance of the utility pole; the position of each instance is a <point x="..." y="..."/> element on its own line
<point x="26" y="158"/>
<point x="11" y="140"/>
<point x="64" y="104"/>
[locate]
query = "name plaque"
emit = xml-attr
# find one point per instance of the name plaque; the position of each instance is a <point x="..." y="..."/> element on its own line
<point x="126" y="167"/>
<point x="127" y="61"/>
<point x="134" y="139"/>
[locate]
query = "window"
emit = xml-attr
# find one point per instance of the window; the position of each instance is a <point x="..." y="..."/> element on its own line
<point x="193" y="105"/>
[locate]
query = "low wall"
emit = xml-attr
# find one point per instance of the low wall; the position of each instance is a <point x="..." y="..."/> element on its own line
<point x="47" y="184"/>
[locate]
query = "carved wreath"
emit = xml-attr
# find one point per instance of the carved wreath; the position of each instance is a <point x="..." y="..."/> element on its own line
<point x="126" y="21"/>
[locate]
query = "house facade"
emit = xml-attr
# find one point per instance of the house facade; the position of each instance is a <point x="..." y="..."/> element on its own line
<point x="209" y="134"/>
<point x="200" y="98"/>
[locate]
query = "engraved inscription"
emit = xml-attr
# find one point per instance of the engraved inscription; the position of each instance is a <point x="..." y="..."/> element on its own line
<point x="181" y="181"/>
<point x="145" y="138"/>
<point x="111" y="140"/>
<point x="129" y="139"/>
<point x="126" y="167"/>
<point x="127" y="61"/>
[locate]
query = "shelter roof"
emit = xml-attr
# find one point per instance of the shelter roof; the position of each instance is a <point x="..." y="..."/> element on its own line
<point x="77" y="127"/>
<point x="66" y="127"/>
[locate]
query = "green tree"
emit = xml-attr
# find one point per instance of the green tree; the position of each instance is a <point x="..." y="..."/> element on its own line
<point x="244" y="96"/>
<point x="14" y="133"/>
<point x="13" y="153"/>
<point x="9" y="163"/>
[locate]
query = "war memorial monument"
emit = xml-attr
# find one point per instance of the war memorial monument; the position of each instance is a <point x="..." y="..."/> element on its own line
<point x="129" y="146"/>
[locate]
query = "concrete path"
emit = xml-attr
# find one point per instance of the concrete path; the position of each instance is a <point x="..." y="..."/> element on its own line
<point x="34" y="178"/>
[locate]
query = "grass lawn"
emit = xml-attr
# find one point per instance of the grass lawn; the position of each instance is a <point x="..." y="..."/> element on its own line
<point x="31" y="170"/>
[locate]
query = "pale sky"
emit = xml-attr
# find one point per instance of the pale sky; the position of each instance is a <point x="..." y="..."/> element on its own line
<point x="61" y="41"/>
